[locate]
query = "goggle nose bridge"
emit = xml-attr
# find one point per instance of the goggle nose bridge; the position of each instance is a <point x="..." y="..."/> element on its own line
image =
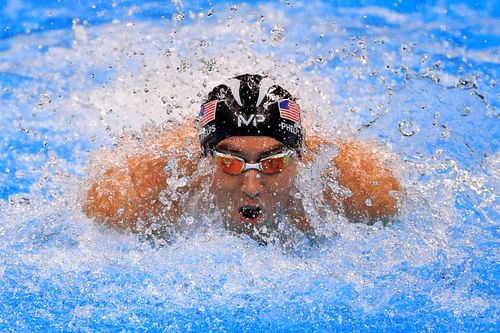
<point x="252" y="166"/>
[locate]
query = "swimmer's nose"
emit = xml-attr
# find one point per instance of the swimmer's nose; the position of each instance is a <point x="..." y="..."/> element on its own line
<point x="252" y="186"/>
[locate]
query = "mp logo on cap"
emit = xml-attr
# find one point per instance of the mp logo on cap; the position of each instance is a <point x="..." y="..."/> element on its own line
<point x="252" y="119"/>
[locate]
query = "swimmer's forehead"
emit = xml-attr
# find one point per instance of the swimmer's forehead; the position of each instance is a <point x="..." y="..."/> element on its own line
<point x="250" y="146"/>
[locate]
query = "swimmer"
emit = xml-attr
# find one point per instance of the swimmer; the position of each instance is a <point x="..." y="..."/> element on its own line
<point x="247" y="152"/>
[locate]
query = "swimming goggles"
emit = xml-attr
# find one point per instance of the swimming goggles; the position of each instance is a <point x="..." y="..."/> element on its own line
<point x="235" y="165"/>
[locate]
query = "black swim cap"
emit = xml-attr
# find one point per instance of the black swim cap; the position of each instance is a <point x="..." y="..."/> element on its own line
<point x="249" y="105"/>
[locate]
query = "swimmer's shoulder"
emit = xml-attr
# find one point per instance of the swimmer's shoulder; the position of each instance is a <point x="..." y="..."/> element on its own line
<point x="362" y="167"/>
<point x="313" y="145"/>
<point x="132" y="176"/>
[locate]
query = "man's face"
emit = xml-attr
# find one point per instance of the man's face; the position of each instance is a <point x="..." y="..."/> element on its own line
<point x="251" y="200"/>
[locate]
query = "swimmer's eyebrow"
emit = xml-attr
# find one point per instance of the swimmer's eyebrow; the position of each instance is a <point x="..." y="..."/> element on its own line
<point x="278" y="148"/>
<point x="224" y="148"/>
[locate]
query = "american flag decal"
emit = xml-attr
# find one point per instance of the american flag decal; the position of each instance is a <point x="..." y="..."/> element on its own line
<point x="289" y="110"/>
<point x="207" y="112"/>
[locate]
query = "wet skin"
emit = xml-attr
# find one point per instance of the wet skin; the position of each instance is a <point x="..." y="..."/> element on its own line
<point x="270" y="193"/>
<point x="129" y="192"/>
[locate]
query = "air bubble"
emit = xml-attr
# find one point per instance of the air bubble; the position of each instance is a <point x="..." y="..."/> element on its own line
<point x="368" y="202"/>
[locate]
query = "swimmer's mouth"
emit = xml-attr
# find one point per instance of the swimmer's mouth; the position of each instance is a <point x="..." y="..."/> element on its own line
<point x="250" y="214"/>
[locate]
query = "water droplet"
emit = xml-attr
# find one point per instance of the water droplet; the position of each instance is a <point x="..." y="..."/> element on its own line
<point x="189" y="220"/>
<point x="437" y="65"/>
<point x="184" y="66"/>
<point x="446" y="133"/>
<point x="277" y="34"/>
<point x="466" y="84"/>
<point x="320" y="60"/>
<point x="466" y="111"/>
<point x="408" y="127"/>
<point x="393" y="194"/>
<point x="210" y="12"/>
<point x="203" y="43"/>
<point x="233" y="8"/>
<point x="164" y="199"/>
<point x="369" y="202"/>
<point x="179" y="17"/>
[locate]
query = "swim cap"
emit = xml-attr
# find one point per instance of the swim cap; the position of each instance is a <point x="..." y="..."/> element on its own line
<point x="249" y="105"/>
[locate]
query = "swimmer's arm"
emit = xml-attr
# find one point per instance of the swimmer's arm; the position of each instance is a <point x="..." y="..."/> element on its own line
<point x="126" y="194"/>
<point x="373" y="187"/>
<point x="122" y="197"/>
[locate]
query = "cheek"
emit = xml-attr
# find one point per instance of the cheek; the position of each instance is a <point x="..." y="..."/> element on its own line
<point x="224" y="185"/>
<point x="278" y="190"/>
<point x="279" y="186"/>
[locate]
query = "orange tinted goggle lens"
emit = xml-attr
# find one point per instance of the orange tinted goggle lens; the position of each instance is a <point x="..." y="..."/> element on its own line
<point x="273" y="165"/>
<point x="230" y="165"/>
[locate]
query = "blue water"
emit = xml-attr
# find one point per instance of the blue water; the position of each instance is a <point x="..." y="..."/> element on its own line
<point x="419" y="77"/>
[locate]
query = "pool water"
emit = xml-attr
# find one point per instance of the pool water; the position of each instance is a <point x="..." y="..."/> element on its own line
<point x="419" y="78"/>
